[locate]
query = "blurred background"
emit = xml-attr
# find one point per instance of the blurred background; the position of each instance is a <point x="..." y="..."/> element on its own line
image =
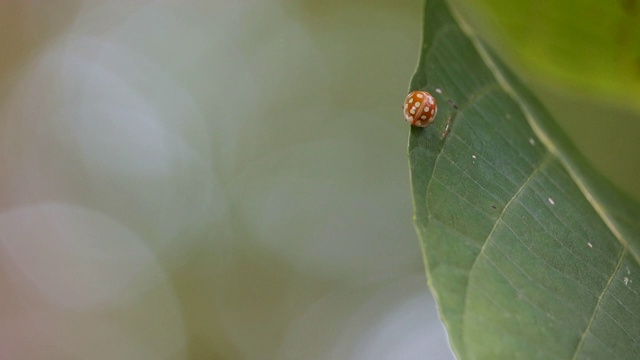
<point x="221" y="180"/>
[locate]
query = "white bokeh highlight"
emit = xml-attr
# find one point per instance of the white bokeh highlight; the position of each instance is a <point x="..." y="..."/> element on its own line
<point x="397" y="321"/>
<point x="209" y="179"/>
<point x="134" y="141"/>
<point x="76" y="257"/>
<point x="70" y="268"/>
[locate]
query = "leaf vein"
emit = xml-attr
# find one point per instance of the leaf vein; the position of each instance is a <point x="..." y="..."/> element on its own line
<point x="535" y="171"/>
<point x="562" y="245"/>
<point x="595" y="309"/>
<point x="573" y="171"/>
<point x="505" y="311"/>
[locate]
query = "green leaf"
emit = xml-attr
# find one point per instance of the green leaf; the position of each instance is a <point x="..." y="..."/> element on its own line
<point x="592" y="45"/>
<point x="529" y="252"/>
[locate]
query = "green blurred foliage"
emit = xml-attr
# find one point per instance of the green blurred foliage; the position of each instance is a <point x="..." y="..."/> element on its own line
<point x="582" y="59"/>
<point x="591" y="46"/>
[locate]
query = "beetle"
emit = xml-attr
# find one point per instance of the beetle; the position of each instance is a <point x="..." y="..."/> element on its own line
<point x="420" y="108"/>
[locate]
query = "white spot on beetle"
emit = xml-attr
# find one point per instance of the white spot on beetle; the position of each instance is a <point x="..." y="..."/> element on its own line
<point x="551" y="201"/>
<point x="417" y="104"/>
<point x="419" y="96"/>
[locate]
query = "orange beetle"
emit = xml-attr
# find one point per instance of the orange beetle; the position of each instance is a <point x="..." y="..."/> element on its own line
<point x="420" y="108"/>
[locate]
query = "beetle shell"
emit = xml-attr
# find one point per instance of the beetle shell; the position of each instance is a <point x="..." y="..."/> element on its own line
<point x="420" y="108"/>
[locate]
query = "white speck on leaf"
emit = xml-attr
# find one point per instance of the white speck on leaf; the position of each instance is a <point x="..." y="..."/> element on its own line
<point x="626" y="280"/>
<point x="473" y="156"/>
<point x="551" y="201"/>
<point x="532" y="141"/>
<point x="589" y="244"/>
